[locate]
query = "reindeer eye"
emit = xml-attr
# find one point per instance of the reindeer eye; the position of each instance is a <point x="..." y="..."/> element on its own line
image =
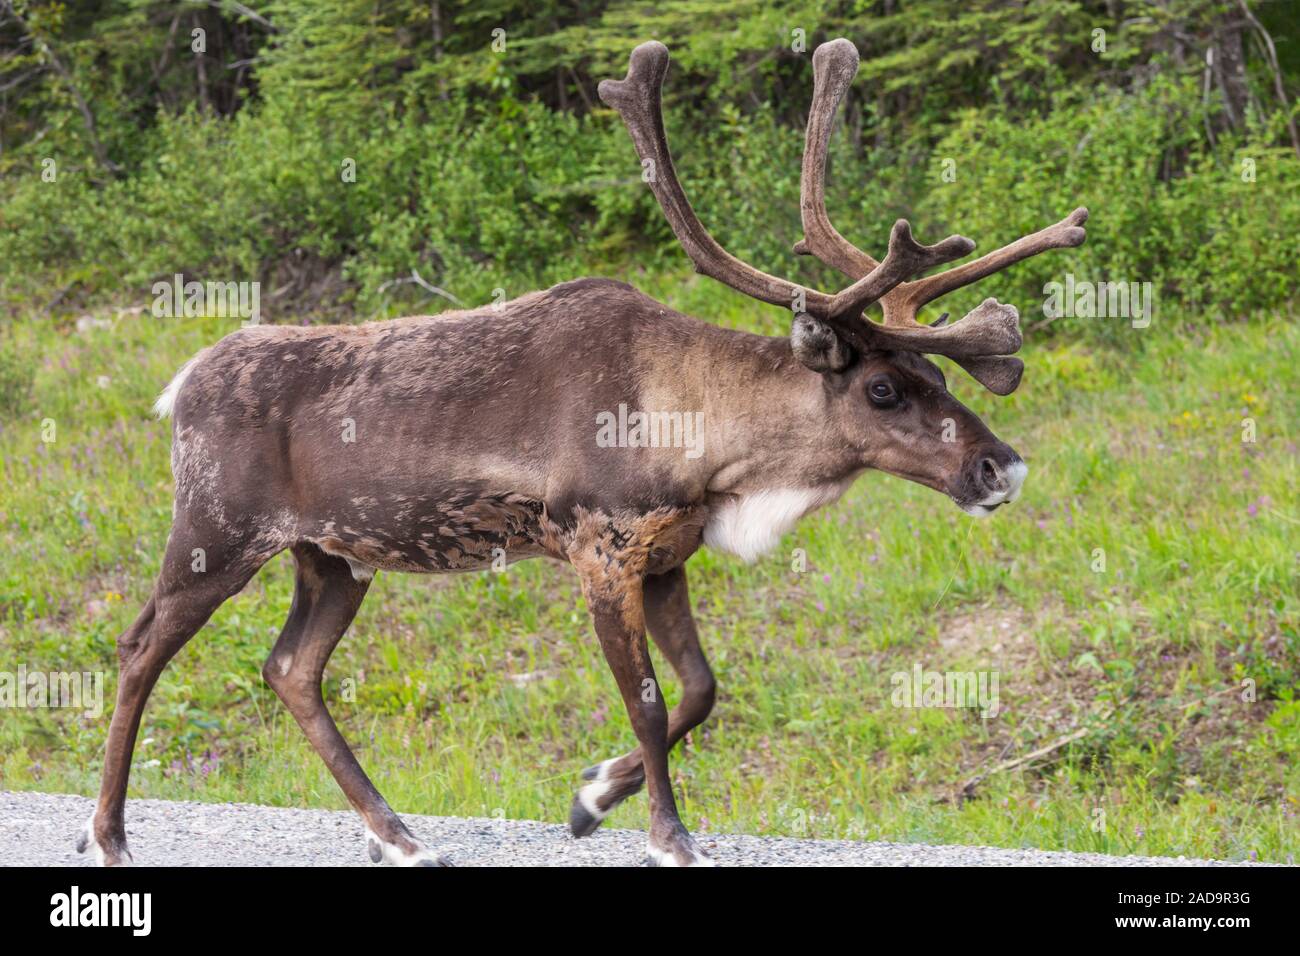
<point x="882" y="393"/>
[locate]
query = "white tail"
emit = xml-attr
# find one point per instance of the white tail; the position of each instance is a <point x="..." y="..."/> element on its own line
<point x="167" y="400"/>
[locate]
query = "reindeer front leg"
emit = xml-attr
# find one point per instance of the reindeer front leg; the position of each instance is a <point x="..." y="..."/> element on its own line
<point x="614" y="593"/>
<point x="667" y="605"/>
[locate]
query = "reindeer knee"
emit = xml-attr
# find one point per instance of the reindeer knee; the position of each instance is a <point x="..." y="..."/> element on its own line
<point x="127" y="652"/>
<point x="278" y="671"/>
<point x="292" y="679"/>
<point x="653" y="717"/>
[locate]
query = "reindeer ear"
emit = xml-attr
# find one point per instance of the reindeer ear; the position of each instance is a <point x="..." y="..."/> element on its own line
<point x="816" y="345"/>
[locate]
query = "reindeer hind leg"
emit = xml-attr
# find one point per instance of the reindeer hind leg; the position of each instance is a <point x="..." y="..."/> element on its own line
<point x="200" y="570"/>
<point x="326" y="598"/>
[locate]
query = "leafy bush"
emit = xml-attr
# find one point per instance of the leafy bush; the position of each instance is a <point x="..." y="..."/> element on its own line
<point x="1204" y="238"/>
<point x="482" y="171"/>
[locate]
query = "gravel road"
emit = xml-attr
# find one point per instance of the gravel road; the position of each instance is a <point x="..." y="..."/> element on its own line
<point x="38" y="829"/>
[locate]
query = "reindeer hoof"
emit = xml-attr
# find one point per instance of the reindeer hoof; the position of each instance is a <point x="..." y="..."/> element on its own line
<point x="116" y="855"/>
<point x="394" y="855"/>
<point x="582" y="822"/>
<point x="593" y="802"/>
<point x="695" y="857"/>
<point x="678" y="849"/>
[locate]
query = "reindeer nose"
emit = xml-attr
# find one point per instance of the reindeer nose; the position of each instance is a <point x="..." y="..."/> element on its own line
<point x="992" y="479"/>
<point x="1000" y="478"/>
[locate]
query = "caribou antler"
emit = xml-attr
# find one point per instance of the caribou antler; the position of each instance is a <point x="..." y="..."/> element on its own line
<point x="834" y="66"/>
<point x="981" y="341"/>
<point x="637" y="99"/>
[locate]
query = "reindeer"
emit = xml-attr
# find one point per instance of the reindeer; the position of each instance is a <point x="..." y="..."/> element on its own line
<point x="474" y="436"/>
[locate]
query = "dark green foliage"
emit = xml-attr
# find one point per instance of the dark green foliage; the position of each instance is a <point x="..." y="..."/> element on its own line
<point x="483" y="169"/>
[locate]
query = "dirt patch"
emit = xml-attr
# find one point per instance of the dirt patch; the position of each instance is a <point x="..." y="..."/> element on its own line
<point x="994" y="636"/>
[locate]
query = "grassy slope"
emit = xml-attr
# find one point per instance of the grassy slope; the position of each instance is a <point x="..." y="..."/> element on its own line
<point x="1140" y="455"/>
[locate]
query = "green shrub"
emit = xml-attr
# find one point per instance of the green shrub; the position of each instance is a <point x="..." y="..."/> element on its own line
<point x="1204" y="237"/>
<point x="513" y="195"/>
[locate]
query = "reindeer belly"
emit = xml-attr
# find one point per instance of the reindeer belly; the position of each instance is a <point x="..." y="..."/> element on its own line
<point x="434" y="534"/>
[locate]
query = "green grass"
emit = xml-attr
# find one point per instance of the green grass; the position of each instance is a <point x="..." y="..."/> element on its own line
<point x="1137" y="453"/>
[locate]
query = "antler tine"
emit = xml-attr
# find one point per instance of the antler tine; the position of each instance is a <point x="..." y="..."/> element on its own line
<point x="904" y="258"/>
<point x="637" y="98"/>
<point x="1000" y="373"/>
<point x="909" y="298"/>
<point x="835" y="64"/>
<point x="980" y="342"/>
